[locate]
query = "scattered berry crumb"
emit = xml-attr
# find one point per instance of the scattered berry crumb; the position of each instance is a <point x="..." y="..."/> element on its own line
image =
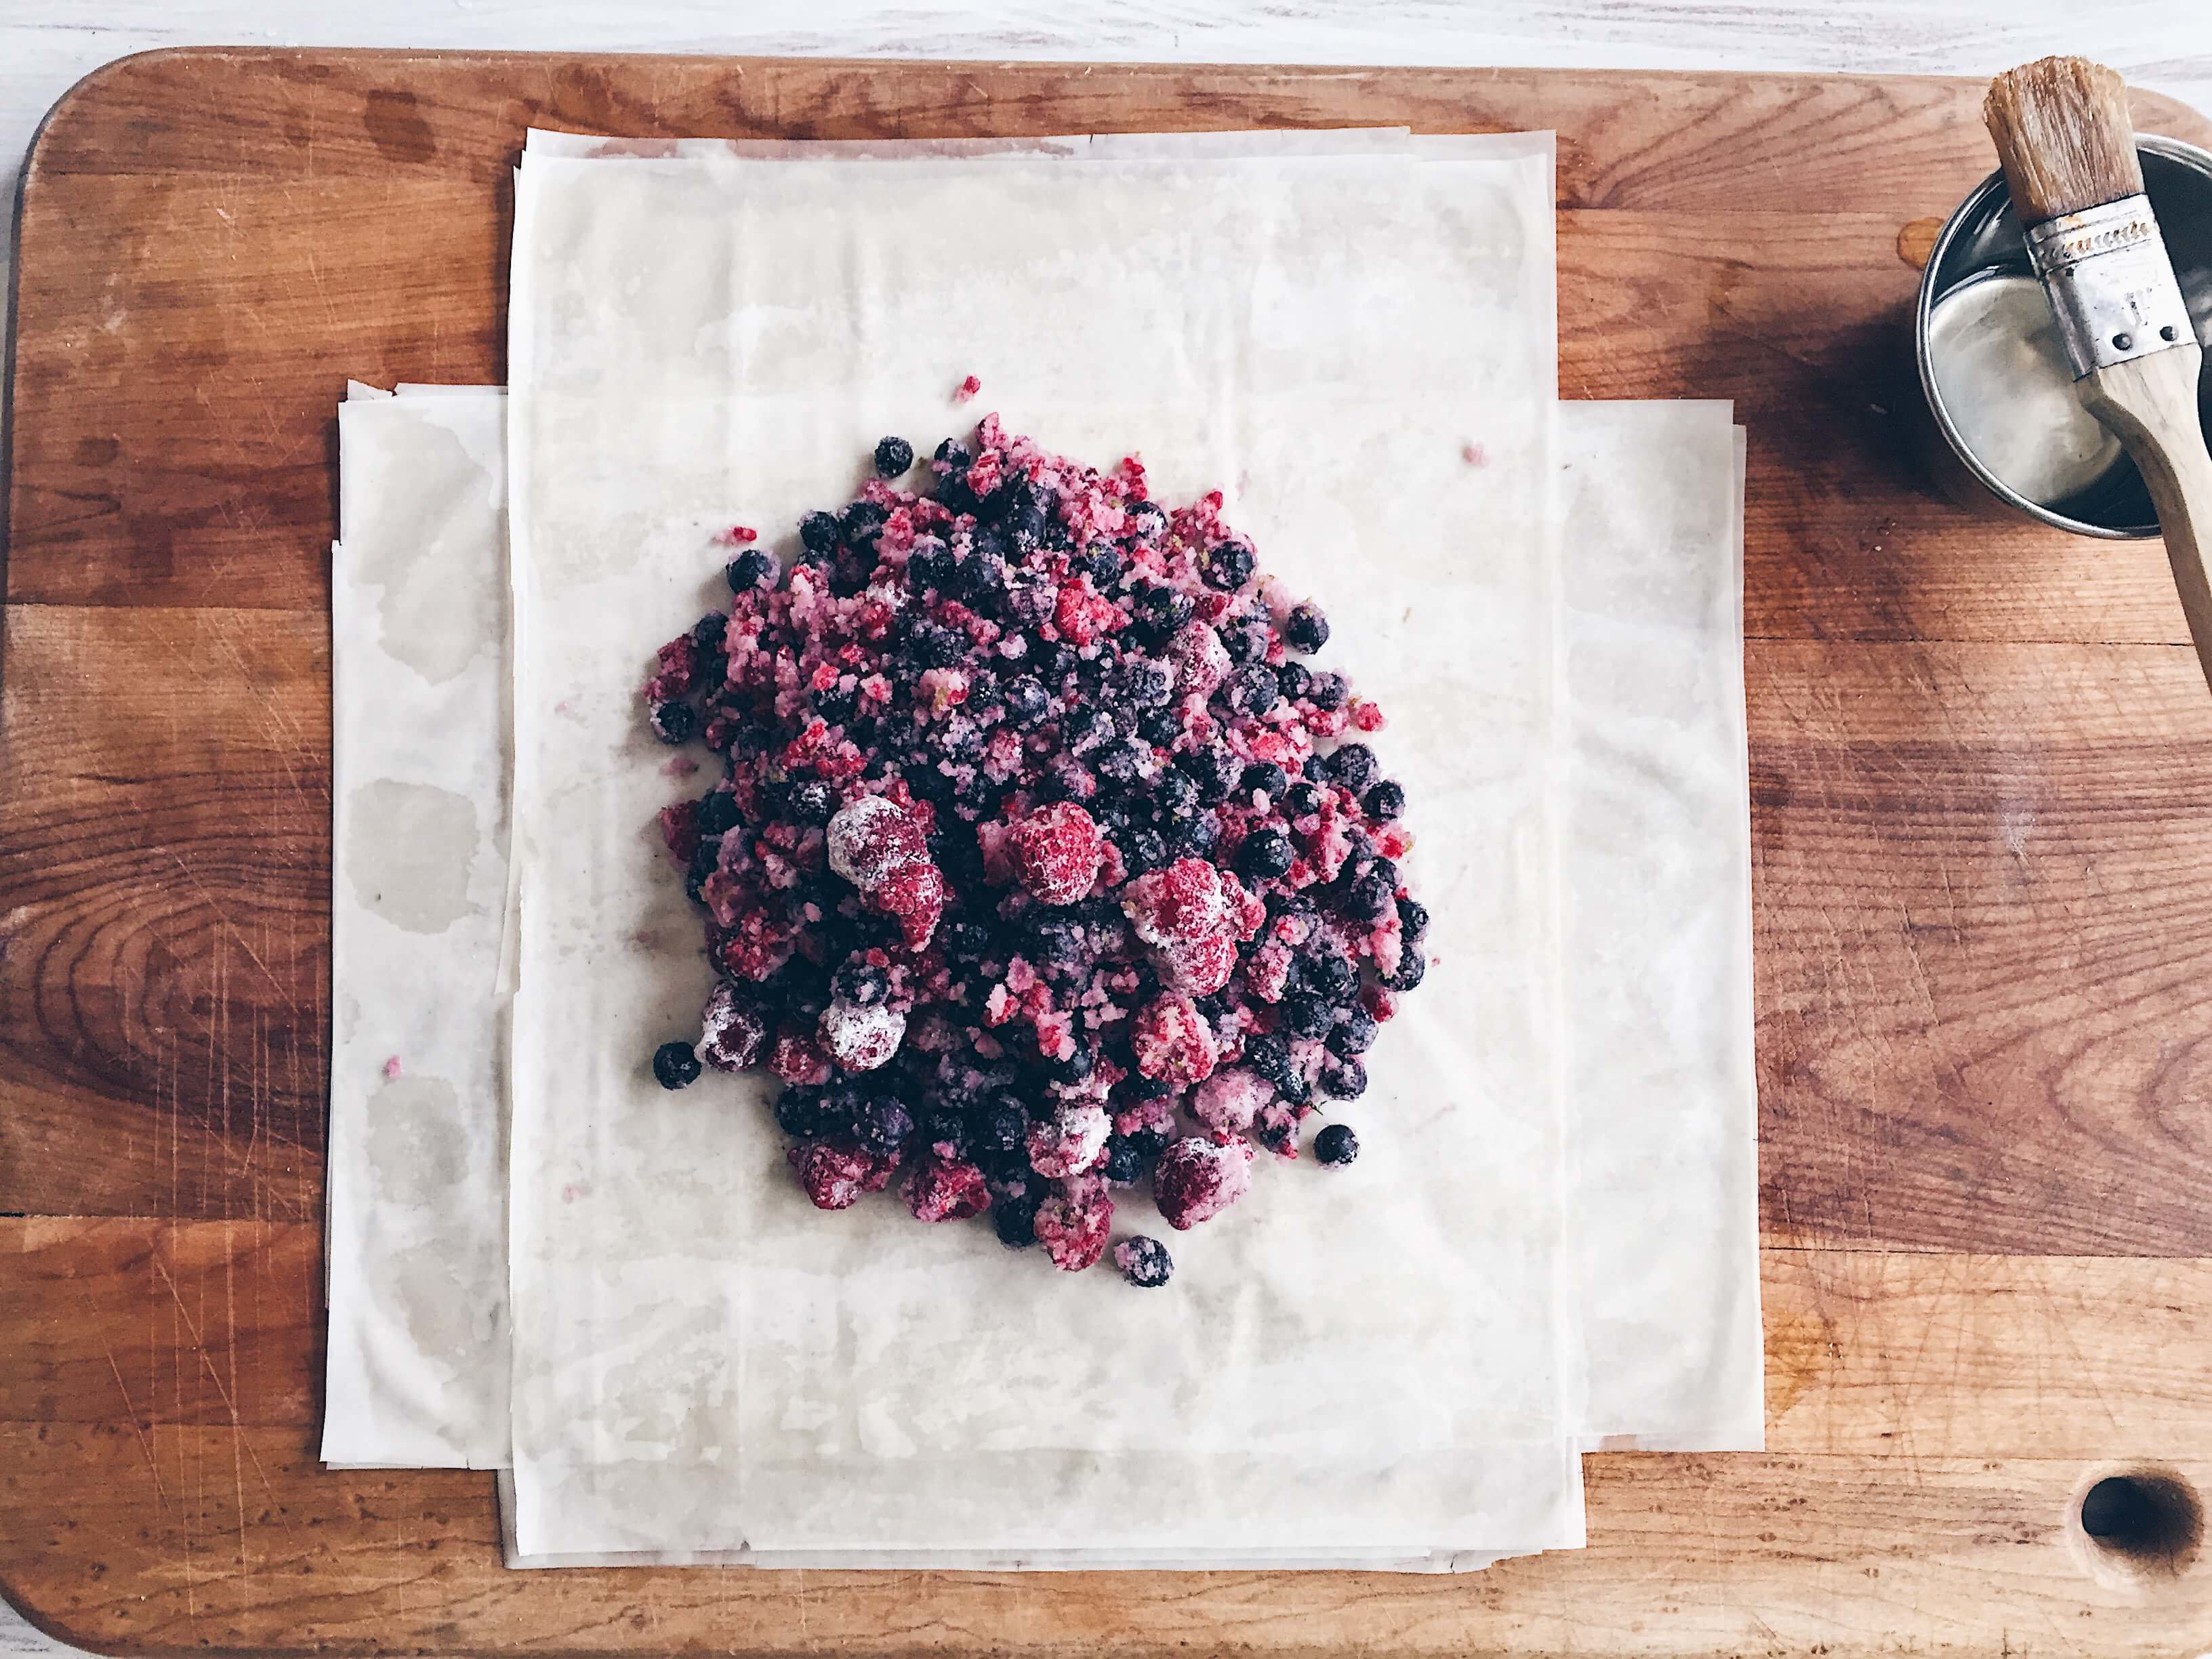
<point x="1474" y="454"/>
<point x="1145" y="1263"/>
<point x="967" y="389"/>
<point x="392" y="1068"/>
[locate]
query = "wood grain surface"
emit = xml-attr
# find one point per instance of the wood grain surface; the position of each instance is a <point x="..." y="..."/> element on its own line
<point x="1979" y="762"/>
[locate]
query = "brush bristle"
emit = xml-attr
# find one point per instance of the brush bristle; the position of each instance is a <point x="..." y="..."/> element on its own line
<point x="2063" y="137"/>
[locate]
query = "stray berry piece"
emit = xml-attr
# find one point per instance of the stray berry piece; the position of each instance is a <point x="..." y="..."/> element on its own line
<point x="674" y="722"/>
<point x="674" y="1066"/>
<point x="1336" y="1145"/>
<point x="1145" y="1263"/>
<point x="751" y="569"/>
<point x="893" y="457"/>
<point x="1305" y="629"/>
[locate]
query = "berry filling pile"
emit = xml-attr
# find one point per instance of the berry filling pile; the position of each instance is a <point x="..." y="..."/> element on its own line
<point x="1043" y="864"/>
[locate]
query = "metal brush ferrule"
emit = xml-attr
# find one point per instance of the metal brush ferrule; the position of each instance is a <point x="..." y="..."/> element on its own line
<point x="2111" y="286"/>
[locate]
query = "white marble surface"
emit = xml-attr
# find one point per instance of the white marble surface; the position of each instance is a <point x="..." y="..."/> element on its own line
<point x="46" y="44"/>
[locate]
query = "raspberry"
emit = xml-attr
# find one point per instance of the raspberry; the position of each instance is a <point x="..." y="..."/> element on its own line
<point x="1195" y="1181"/>
<point x="1200" y="967"/>
<point x="1172" y="1041"/>
<point x="860" y="1039"/>
<point x="871" y="837"/>
<point x="731" y="1032"/>
<point x="797" y="1058"/>
<point x="1227" y="1101"/>
<point x="1073" y="1224"/>
<point x="1071" y="1142"/>
<point x="915" y="894"/>
<point x="835" y="1177"/>
<point x="1055" y="851"/>
<point x="1183" y="902"/>
<point x="938" y="1189"/>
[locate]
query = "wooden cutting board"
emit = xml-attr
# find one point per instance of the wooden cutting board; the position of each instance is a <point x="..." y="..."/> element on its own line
<point x="1980" y="763"/>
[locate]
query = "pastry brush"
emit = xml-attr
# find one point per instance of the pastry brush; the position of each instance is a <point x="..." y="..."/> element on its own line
<point x="2068" y="152"/>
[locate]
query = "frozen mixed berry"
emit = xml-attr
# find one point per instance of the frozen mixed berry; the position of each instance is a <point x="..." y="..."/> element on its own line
<point x="1038" y="867"/>
<point x="674" y="1066"/>
<point x="754" y="567"/>
<point x="1145" y="1263"/>
<point x="1305" y="629"/>
<point x="1336" y="1145"/>
<point x="674" y="722"/>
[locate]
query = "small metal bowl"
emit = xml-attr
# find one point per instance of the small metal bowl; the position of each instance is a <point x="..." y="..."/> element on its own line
<point x="1984" y="240"/>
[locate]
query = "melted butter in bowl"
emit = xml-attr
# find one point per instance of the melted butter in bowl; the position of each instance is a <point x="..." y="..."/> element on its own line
<point x="2002" y="374"/>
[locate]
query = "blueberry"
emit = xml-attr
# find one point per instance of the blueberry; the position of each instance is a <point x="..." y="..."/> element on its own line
<point x="1121" y="764"/>
<point x="893" y="457"/>
<point x="1412" y="968"/>
<point x="1354" y="1033"/>
<point x="717" y="813"/>
<point x="954" y="454"/>
<point x="1145" y="849"/>
<point x="1226" y="565"/>
<point x="1144" y="683"/>
<point x="1385" y="868"/>
<point x="1305" y="1015"/>
<point x="861" y="521"/>
<point x="1125" y="1161"/>
<point x="1265" y="853"/>
<point x="1412" y="918"/>
<point x="1343" y="1078"/>
<point x="1329" y="692"/>
<point x="799" y="1113"/>
<point x="1352" y="767"/>
<point x="1197" y="837"/>
<point x="1385" y="801"/>
<point x="1002" y="1124"/>
<point x="675" y="1065"/>
<point x="945" y="1122"/>
<point x="1295" y="1088"/>
<point x="836" y="705"/>
<point x="1368" y="899"/>
<point x="1145" y="1263"/>
<point x="1305" y="629"/>
<point x="818" y="532"/>
<point x="1159" y="727"/>
<point x="935" y="646"/>
<point x="1329" y="975"/>
<point x="1026" y="700"/>
<point x="1105" y="564"/>
<point x="1164" y="609"/>
<point x="882" y="1125"/>
<point x="754" y="567"/>
<point x="1176" y="790"/>
<point x="1245" y="638"/>
<point x="1150" y="1140"/>
<point x="813" y="801"/>
<point x="1147" y="521"/>
<point x="1146" y="1088"/>
<point x="1073" y="1069"/>
<point x="711" y="629"/>
<point x="1301" y="801"/>
<point x="1336" y="1145"/>
<point x="931" y="564"/>
<point x="1015" y="1221"/>
<point x="1281" y="903"/>
<point x="1293" y="680"/>
<point x="673" y="722"/>
<point x="703" y="865"/>
<point x="1214" y="769"/>
<point x="1084" y="729"/>
<point x="1251" y="690"/>
<point x="1263" y="778"/>
<point x="859" y="982"/>
<point x="1269" y="1056"/>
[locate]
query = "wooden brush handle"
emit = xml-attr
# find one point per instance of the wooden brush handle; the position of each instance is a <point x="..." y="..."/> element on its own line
<point x="2150" y="404"/>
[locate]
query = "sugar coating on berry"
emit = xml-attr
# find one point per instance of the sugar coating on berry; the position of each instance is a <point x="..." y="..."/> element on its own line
<point x="1227" y="1101"/>
<point x="1172" y="1041"/>
<point x="914" y="895"/>
<point x="1198" y="967"/>
<point x="1183" y="902"/>
<point x="944" y="1189"/>
<point x="836" y="1176"/>
<point x="1074" y="1223"/>
<point x="1145" y="1263"/>
<point x="860" y="1039"/>
<point x="1196" y="1180"/>
<point x="1071" y="1142"/>
<point x="871" y="837"/>
<point x="731" y="1032"/>
<point x="1055" y="851"/>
